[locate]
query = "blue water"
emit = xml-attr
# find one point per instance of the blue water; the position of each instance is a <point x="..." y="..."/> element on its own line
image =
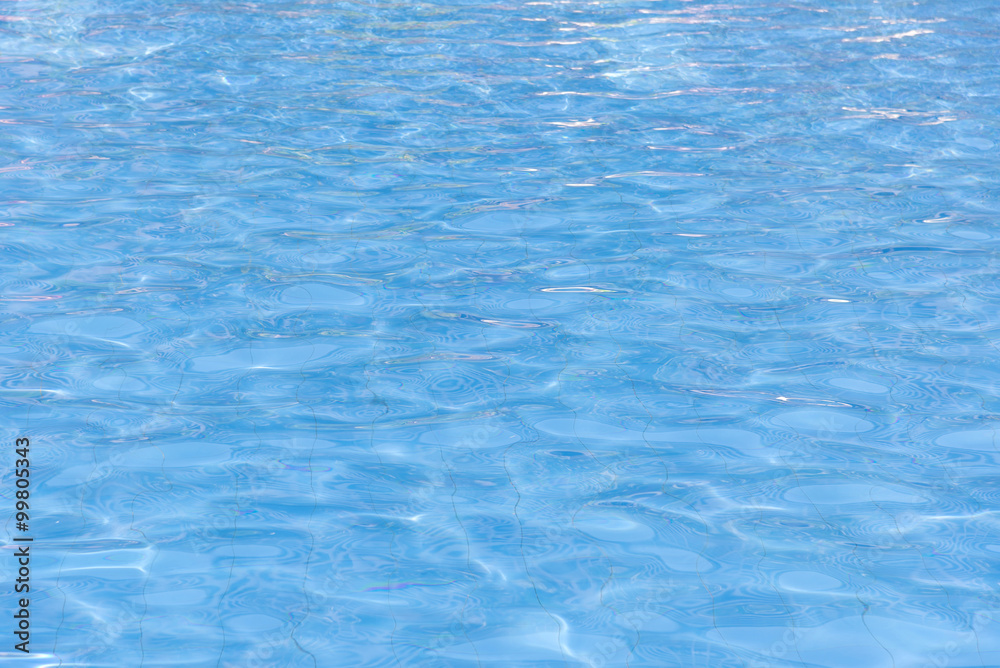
<point x="548" y="334"/>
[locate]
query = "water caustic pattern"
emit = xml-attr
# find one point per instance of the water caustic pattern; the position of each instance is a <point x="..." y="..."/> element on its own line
<point x="562" y="333"/>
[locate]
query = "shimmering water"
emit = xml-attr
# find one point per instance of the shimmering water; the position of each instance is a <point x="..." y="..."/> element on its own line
<point x="563" y="333"/>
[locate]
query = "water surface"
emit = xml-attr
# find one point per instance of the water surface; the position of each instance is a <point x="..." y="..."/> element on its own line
<point x="504" y="334"/>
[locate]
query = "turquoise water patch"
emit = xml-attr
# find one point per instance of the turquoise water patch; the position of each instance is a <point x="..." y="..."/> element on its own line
<point x="825" y="421"/>
<point x="859" y="385"/>
<point x="978" y="439"/>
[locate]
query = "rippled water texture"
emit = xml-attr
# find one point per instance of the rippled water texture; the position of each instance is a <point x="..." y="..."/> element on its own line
<point x="521" y="334"/>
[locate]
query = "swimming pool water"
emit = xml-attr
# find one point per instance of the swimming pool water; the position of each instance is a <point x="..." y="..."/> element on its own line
<point x="548" y="334"/>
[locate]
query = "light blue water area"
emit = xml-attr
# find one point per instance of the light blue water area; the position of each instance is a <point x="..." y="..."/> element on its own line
<point x="549" y="334"/>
